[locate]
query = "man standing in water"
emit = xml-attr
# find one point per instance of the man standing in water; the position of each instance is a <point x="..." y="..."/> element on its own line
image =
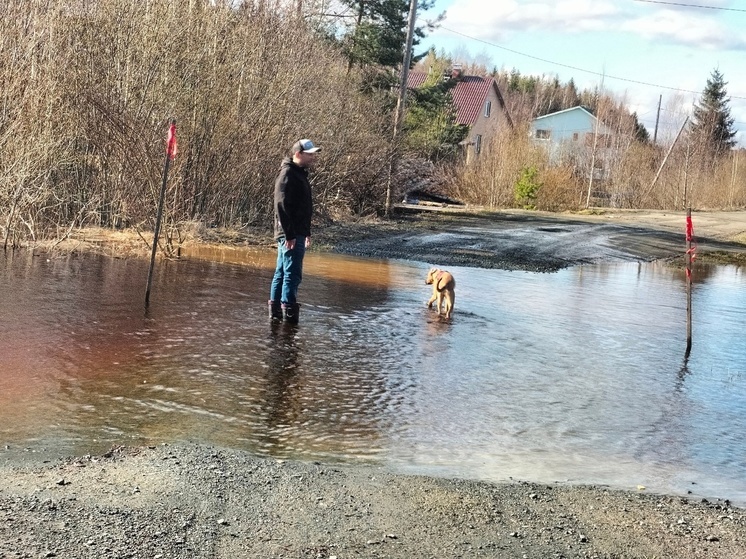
<point x="293" y="209"/>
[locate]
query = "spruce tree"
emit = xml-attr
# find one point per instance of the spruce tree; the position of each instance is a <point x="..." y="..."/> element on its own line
<point x="640" y="133"/>
<point x="712" y="124"/>
<point x="376" y="34"/>
<point x="430" y="123"/>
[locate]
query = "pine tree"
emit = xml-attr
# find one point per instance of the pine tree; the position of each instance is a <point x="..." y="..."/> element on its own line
<point x="640" y="133"/>
<point x="712" y="124"/>
<point x="378" y="30"/>
<point x="430" y="124"/>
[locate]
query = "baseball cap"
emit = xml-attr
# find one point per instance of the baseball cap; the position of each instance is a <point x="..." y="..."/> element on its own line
<point x="306" y="146"/>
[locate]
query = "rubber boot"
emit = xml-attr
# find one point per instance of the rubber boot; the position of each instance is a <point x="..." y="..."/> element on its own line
<point x="290" y="312"/>
<point x="275" y="310"/>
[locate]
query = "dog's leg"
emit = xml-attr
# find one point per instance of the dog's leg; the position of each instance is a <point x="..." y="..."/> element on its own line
<point x="430" y="302"/>
<point x="449" y="297"/>
<point x="439" y="304"/>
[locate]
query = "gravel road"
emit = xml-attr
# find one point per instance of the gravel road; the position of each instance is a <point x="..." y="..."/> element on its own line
<point x="189" y="501"/>
<point x="539" y="241"/>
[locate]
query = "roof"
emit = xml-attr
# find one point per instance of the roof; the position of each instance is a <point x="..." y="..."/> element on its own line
<point x="415" y="79"/>
<point x="580" y="107"/>
<point x="469" y="95"/>
<point x="551" y="118"/>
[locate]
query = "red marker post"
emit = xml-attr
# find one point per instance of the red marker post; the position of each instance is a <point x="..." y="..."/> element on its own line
<point x="170" y="155"/>
<point x="691" y="248"/>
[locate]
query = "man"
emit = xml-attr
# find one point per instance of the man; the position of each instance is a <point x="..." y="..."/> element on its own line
<point x="293" y="209"/>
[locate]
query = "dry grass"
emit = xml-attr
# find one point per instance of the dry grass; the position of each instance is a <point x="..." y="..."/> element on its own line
<point x="87" y="90"/>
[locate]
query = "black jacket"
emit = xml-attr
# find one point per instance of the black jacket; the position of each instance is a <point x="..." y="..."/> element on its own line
<point x="293" y="201"/>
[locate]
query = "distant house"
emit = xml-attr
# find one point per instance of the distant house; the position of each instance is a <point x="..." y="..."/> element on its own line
<point x="479" y="105"/>
<point x="574" y="134"/>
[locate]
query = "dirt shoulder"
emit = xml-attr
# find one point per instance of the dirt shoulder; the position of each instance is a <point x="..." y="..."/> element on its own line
<point x="188" y="501"/>
<point x="457" y="236"/>
<point x="540" y="241"/>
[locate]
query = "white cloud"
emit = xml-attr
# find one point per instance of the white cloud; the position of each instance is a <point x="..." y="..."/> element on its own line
<point x="500" y="20"/>
<point x="643" y="49"/>
<point x="491" y="19"/>
<point x="686" y="28"/>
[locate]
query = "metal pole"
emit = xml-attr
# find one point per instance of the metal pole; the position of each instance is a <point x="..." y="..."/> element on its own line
<point x="159" y="215"/>
<point x="689" y="231"/>
<point x="402" y="97"/>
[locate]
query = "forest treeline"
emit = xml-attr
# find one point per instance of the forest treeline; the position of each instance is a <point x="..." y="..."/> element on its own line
<point x="88" y="87"/>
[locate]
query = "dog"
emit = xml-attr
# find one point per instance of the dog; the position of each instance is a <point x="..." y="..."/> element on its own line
<point x="444" y="295"/>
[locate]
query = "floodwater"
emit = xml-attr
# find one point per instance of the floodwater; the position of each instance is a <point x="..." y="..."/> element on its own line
<point x="577" y="376"/>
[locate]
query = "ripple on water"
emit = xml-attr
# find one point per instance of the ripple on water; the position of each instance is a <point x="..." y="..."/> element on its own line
<point x="577" y="375"/>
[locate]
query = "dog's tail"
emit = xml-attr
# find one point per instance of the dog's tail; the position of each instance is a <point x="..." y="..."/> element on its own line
<point x="443" y="281"/>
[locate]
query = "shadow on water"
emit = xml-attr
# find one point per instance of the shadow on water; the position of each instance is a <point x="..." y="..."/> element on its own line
<point x="283" y="398"/>
<point x="574" y="376"/>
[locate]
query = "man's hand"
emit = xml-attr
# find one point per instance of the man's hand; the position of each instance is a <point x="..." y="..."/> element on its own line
<point x="290" y="243"/>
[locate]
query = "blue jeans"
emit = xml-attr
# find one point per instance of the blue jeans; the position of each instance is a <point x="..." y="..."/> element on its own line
<point x="288" y="272"/>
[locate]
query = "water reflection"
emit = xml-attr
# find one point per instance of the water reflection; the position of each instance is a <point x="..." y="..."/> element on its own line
<point x="284" y="396"/>
<point x="573" y="376"/>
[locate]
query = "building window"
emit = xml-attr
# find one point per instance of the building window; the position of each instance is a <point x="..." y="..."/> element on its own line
<point x="543" y="134"/>
<point x="487" y="109"/>
<point x="478" y="143"/>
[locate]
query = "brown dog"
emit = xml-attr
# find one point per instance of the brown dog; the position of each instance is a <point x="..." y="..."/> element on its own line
<point x="443" y="290"/>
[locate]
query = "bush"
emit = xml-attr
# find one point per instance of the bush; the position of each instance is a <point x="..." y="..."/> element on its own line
<point x="527" y="188"/>
<point x="87" y="92"/>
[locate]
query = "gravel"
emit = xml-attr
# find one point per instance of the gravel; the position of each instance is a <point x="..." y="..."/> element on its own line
<point x="187" y="500"/>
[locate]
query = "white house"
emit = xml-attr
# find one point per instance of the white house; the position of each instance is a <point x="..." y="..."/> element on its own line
<point x="574" y="135"/>
<point x="576" y="125"/>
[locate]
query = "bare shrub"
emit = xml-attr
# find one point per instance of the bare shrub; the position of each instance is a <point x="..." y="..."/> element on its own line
<point x="491" y="179"/>
<point x="558" y="191"/>
<point x="626" y="174"/>
<point x="89" y="88"/>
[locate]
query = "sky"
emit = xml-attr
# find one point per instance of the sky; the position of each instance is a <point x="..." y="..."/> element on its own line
<point x="644" y="52"/>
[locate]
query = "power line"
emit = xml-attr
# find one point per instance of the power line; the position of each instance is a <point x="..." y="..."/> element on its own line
<point x="600" y="74"/>
<point x="691" y="5"/>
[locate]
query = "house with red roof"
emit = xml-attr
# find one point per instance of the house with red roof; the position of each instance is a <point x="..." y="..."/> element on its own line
<point x="479" y="105"/>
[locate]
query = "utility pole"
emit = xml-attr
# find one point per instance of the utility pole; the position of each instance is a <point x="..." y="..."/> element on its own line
<point x="402" y="98"/>
<point x="657" y="119"/>
<point x="733" y="174"/>
<point x="597" y="116"/>
<point x="658" y="173"/>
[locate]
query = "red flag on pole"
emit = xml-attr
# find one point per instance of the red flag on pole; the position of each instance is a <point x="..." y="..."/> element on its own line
<point x="692" y="246"/>
<point x="171" y="141"/>
<point x="170" y="155"/>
